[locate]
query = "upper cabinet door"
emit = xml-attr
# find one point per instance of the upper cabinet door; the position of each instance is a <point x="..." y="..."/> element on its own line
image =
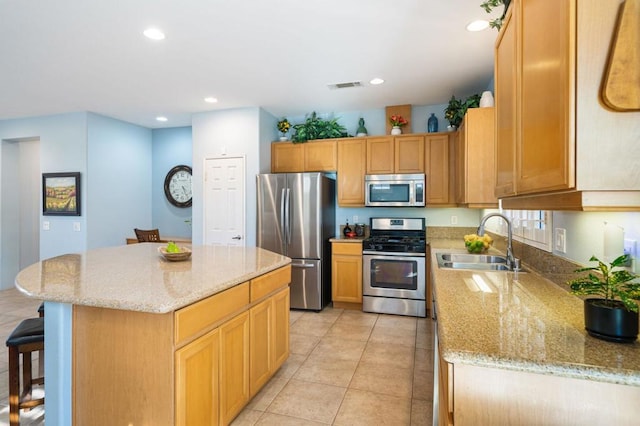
<point x="320" y="156"/>
<point x="505" y="81"/>
<point x="287" y="157"/>
<point x="352" y="156"/>
<point x="380" y="152"/>
<point x="409" y="154"/>
<point x="545" y="150"/>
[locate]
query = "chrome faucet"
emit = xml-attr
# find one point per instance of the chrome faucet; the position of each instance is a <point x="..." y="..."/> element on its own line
<point x="512" y="262"/>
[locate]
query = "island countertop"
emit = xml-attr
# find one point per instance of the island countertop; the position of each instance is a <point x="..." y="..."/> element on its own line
<point x="526" y="324"/>
<point x="137" y="278"/>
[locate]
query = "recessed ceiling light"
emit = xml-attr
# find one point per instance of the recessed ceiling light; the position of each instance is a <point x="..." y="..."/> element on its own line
<point x="376" y="81"/>
<point x="161" y="118"/>
<point x="210" y="100"/>
<point x="154" y="34"/>
<point x="478" y="25"/>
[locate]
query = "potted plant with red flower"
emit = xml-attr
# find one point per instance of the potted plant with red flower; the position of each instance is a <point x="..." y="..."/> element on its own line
<point x="397" y="121"/>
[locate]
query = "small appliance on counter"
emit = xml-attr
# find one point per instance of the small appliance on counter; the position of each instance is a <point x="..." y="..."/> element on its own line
<point x="394" y="267"/>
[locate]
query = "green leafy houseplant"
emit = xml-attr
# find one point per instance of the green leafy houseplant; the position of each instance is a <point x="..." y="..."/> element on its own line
<point x="457" y="108"/>
<point x="489" y="5"/>
<point x="317" y="128"/>
<point x="611" y="284"/>
<point x="614" y="315"/>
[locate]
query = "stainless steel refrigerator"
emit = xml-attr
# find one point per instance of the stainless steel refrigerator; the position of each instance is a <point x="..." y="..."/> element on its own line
<point x="296" y="218"/>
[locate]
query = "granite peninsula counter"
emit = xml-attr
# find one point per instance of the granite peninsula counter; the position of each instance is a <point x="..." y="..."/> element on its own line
<point x="128" y="334"/>
<point x="520" y="355"/>
<point x="136" y="277"/>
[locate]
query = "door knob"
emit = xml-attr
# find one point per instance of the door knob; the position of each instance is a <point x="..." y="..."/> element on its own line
<point x="237" y="237"/>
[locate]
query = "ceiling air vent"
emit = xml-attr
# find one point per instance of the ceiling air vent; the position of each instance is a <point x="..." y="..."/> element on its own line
<point x="345" y="85"/>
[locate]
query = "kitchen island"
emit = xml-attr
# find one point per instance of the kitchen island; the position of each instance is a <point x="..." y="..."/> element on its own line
<point x="517" y="353"/>
<point x="131" y="338"/>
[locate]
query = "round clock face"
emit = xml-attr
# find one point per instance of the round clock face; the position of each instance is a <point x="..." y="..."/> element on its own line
<point x="177" y="186"/>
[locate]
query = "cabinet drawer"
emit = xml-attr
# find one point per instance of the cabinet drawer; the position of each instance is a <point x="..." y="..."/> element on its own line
<point x="270" y="282"/>
<point x="347" y="248"/>
<point x="199" y="318"/>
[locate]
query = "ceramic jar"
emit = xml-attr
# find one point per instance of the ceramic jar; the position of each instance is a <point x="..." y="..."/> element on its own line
<point x="396" y="130"/>
<point x="486" y="100"/>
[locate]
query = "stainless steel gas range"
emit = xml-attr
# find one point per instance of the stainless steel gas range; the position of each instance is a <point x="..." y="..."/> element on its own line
<point x="393" y="262"/>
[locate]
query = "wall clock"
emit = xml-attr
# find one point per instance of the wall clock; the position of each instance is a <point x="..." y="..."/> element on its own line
<point x="177" y="186"/>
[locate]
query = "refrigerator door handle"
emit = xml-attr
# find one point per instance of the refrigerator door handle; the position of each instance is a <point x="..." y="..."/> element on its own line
<point x="303" y="265"/>
<point x="283" y="224"/>
<point x="287" y="217"/>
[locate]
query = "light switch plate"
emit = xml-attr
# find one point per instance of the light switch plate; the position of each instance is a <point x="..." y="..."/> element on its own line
<point x="45" y="225"/>
<point x="560" y="240"/>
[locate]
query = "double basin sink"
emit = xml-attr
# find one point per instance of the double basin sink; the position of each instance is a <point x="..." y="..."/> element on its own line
<point x="481" y="262"/>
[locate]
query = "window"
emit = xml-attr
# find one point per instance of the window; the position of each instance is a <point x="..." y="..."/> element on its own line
<point x="532" y="227"/>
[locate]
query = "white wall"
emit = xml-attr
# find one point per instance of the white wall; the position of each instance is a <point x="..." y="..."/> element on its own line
<point x="234" y="132"/>
<point x="585" y="232"/>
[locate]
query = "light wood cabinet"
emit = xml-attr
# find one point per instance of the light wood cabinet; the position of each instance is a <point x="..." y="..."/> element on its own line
<point x="346" y="274"/>
<point x="464" y="399"/>
<point x="352" y="157"/>
<point x="438" y="157"/>
<point x="380" y="154"/>
<point x="269" y="342"/>
<point x="197" y="378"/>
<point x="321" y="156"/>
<point x="571" y="152"/>
<point x="311" y="156"/>
<point x="505" y="96"/>
<point x="194" y="365"/>
<point x="408" y="154"/>
<point x="395" y="154"/>
<point x="234" y="367"/>
<point x="475" y="155"/>
<point x="287" y="157"/>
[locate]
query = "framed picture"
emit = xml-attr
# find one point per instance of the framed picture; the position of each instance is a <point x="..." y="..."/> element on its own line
<point x="61" y="194"/>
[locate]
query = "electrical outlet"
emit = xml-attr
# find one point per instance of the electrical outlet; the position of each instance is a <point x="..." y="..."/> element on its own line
<point x="560" y="238"/>
<point x="355" y="219"/>
<point x="454" y="220"/>
<point x="76" y="226"/>
<point x="45" y="225"/>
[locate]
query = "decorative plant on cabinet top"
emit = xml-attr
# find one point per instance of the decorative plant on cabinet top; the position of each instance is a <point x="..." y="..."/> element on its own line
<point x="317" y="128"/>
<point x="457" y="108"/>
<point x="489" y="5"/>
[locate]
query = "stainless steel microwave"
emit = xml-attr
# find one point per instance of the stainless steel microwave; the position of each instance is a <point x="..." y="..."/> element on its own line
<point x="395" y="190"/>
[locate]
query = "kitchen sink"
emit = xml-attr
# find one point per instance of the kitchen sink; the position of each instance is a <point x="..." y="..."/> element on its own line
<point x="481" y="262"/>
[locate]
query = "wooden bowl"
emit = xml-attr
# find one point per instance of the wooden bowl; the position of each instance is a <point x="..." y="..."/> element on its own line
<point x="183" y="254"/>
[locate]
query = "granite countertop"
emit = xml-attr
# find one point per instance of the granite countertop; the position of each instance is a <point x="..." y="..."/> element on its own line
<point x="136" y="277"/>
<point x="527" y="323"/>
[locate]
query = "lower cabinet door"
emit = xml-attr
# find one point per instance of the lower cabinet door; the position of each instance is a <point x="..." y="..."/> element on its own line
<point x="234" y="367"/>
<point x="281" y="328"/>
<point x="260" y="344"/>
<point x="197" y="381"/>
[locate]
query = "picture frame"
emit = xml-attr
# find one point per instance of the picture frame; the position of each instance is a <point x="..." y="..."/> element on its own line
<point x="61" y="194"/>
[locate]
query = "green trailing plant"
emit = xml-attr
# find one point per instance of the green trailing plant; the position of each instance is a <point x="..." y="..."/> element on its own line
<point x="609" y="283"/>
<point x="489" y="5"/>
<point x="457" y="108"/>
<point x="315" y="127"/>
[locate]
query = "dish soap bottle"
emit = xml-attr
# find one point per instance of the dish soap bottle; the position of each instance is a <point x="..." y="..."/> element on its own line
<point x="347" y="229"/>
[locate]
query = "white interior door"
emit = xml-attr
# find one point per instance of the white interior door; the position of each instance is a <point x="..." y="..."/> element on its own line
<point x="224" y="207"/>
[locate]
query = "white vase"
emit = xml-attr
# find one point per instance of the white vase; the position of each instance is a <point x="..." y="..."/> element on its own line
<point x="396" y="130"/>
<point x="486" y="100"/>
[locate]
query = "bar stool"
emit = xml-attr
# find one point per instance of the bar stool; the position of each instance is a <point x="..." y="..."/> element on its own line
<point x="25" y="339"/>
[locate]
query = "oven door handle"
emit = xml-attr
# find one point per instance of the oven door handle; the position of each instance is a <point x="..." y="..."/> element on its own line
<point x="394" y="253"/>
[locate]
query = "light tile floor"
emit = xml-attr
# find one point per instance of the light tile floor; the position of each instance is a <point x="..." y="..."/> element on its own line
<point x="350" y="368"/>
<point x="14" y="307"/>
<point x="345" y="368"/>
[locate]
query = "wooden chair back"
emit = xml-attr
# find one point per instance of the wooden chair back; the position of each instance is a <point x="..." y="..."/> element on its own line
<point x="147" y="235"/>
